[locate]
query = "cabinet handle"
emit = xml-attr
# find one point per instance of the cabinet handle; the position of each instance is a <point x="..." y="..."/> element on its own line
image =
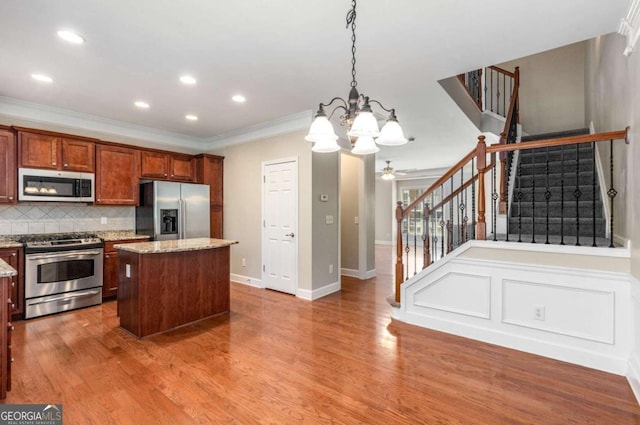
<point x="13" y="254"/>
<point x="11" y="198"/>
<point x="53" y="163"/>
<point x="12" y="328"/>
<point x="13" y="284"/>
<point x="12" y="359"/>
<point x="66" y="165"/>
<point x="13" y="306"/>
<point x="165" y="174"/>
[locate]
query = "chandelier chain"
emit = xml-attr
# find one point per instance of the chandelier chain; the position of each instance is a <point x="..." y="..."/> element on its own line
<point x="351" y="20"/>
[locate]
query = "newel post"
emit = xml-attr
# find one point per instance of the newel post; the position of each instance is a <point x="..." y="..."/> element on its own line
<point x="399" y="267"/>
<point x="481" y="158"/>
<point x="502" y="207"/>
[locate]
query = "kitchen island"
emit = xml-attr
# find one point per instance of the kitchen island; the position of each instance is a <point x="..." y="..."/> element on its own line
<point x="166" y="284"/>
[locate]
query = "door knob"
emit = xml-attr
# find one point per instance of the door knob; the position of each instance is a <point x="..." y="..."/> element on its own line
<point x="290" y="234"/>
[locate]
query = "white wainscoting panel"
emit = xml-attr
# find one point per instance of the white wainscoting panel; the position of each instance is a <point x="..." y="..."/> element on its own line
<point x="457" y="293"/>
<point x="576" y="312"/>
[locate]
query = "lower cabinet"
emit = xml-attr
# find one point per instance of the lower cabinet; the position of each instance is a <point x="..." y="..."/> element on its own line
<point x="6" y="329"/>
<point x="15" y="258"/>
<point x="110" y="267"/>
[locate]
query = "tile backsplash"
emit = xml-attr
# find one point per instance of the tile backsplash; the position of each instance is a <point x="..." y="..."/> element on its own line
<point x="53" y="217"/>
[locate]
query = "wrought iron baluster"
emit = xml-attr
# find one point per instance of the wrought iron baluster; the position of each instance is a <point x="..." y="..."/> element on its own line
<point x="611" y="192"/>
<point x="577" y="194"/>
<point x="533" y="196"/>
<point x="465" y="219"/>
<point x="494" y="198"/>
<point x="462" y="207"/>
<point x="442" y="223"/>
<point x="473" y="199"/>
<point x="504" y="95"/>
<point x="450" y="224"/>
<point x="547" y="193"/>
<point x="519" y="196"/>
<point x="426" y="254"/>
<point x="562" y="195"/>
<point x="415" y="240"/>
<point x="406" y="245"/>
<point x="593" y="191"/>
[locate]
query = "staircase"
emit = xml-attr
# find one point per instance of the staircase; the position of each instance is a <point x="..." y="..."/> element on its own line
<point x="567" y="177"/>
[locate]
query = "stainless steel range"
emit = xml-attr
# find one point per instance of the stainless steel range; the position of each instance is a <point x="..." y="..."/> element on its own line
<point x="62" y="272"/>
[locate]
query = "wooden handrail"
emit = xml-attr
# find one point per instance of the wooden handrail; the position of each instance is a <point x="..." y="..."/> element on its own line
<point x="502" y="70"/>
<point x="570" y="140"/>
<point x="446" y="176"/>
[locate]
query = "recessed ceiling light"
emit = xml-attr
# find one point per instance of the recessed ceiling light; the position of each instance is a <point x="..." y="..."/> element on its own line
<point x="43" y="78"/>
<point x="71" y="37"/>
<point x="239" y="98"/>
<point x="191" y="117"/>
<point x="141" y="104"/>
<point x="188" y="79"/>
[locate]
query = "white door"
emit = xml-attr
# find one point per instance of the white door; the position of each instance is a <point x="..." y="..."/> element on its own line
<point x="280" y="225"/>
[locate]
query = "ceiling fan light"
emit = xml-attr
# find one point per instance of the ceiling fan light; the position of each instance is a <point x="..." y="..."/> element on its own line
<point x="391" y="134"/>
<point x="321" y="129"/>
<point x="326" y="145"/>
<point x="365" y="146"/>
<point x="365" y="125"/>
<point x="387" y="176"/>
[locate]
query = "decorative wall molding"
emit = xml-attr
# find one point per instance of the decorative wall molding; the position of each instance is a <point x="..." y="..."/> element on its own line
<point x="459" y="293"/>
<point x="246" y="280"/>
<point x="314" y="294"/>
<point x="630" y="26"/>
<point x="350" y="273"/>
<point x="588" y="313"/>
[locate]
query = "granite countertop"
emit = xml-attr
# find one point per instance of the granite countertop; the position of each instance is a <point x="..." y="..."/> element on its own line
<point x="6" y="270"/>
<point x="119" y="235"/>
<point x="8" y="243"/>
<point x="156" y="247"/>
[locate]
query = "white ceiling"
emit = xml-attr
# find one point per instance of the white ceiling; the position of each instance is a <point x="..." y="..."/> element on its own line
<point x="284" y="56"/>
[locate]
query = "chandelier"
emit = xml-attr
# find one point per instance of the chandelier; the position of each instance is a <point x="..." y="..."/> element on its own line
<point x="357" y="115"/>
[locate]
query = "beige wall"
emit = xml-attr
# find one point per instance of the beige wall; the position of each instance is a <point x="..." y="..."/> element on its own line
<point x="243" y="201"/>
<point x="349" y="209"/>
<point x="385" y="209"/>
<point x="612" y="87"/>
<point x="552" y="89"/>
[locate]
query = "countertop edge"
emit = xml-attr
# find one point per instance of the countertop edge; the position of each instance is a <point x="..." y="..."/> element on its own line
<point x="159" y="247"/>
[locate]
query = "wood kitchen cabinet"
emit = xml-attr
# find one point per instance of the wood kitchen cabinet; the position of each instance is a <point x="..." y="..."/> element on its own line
<point x="209" y="170"/>
<point x="15" y="258"/>
<point x="110" y="267"/>
<point x="117" y="175"/>
<point x="166" y="166"/>
<point x="6" y="329"/>
<point x="55" y="151"/>
<point x="8" y="179"/>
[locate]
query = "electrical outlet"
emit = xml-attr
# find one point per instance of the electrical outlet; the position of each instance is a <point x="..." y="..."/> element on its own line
<point x="538" y="312"/>
<point x="103" y="220"/>
<point x="244" y="262"/>
<point x="330" y="268"/>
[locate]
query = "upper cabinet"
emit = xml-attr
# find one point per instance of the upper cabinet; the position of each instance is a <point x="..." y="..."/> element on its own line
<point x="8" y="178"/>
<point x="209" y="170"/>
<point x="55" y="152"/>
<point x="166" y="166"/>
<point x="117" y="175"/>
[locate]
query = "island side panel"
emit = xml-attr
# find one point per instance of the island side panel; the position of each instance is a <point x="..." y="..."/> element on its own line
<point x="128" y="292"/>
<point x="163" y="283"/>
<point x="208" y="278"/>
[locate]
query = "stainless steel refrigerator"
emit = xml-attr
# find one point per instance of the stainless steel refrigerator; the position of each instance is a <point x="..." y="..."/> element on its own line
<point x="170" y="210"/>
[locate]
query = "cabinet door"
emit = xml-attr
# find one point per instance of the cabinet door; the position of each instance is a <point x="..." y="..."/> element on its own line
<point x="110" y="274"/>
<point x="181" y="168"/>
<point x="78" y="155"/>
<point x="13" y="257"/>
<point x="38" y="150"/>
<point x="154" y="165"/>
<point x="8" y="179"/>
<point x="117" y="175"/>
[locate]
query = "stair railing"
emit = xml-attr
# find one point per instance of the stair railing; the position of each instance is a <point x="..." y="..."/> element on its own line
<point x="499" y="86"/>
<point x="508" y="136"/>
<point x="438" y="221"/>
<point x="472" y="81"/>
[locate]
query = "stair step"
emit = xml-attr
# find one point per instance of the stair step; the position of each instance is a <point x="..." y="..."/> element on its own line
<point x="555" y="134"/>
<point x="555" y="211"/>
<point x="584" y="180"/>
<point x="568" y="226"/>
<point x="556" y="194"/>
<point x="569" y="166"/>
<point x="568" y="154"/>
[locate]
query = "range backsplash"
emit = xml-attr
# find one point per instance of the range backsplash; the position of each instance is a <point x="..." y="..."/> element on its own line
<point x="51" y="217"/>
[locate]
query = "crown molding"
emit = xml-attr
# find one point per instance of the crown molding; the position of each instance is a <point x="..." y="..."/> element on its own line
<point x="630" y="26"/>
<point x="43" y="114"/>
<point x="284" y="125"/>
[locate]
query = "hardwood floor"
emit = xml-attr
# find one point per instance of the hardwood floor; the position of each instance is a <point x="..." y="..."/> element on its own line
<point x="276" y="359"/>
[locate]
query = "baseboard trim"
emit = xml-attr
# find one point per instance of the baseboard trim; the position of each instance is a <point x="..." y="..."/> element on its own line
<point x="350" y="273"/>
<point x="633" y="375"/>
<point x="311" y="295"/>
<point x="370" y="274"/>
<point x="246" y="280"/>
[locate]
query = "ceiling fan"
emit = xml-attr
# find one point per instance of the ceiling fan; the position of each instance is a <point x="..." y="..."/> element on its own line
<point x="388" y="173"/>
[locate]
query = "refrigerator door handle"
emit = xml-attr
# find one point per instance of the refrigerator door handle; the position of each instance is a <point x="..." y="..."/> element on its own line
<point x="184" y="218"/>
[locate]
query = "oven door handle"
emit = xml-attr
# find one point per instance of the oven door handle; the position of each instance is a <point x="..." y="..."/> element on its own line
<point x="63" y="255"/>
<point x="65" y="297"/>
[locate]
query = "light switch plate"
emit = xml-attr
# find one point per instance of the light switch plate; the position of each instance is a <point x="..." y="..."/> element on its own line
<point x="329" y="219"/>
<point x="127" y="270"/>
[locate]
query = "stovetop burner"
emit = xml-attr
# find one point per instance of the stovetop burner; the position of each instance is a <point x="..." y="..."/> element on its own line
<point x="60" y="242"/>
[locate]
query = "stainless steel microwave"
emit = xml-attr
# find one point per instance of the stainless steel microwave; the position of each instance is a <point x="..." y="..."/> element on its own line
<point x="51" y="185"/>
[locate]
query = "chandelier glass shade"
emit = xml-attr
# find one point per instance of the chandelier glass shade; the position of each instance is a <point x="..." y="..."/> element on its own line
<point x="387" y="172"/>
<point x="356" y="114"/>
